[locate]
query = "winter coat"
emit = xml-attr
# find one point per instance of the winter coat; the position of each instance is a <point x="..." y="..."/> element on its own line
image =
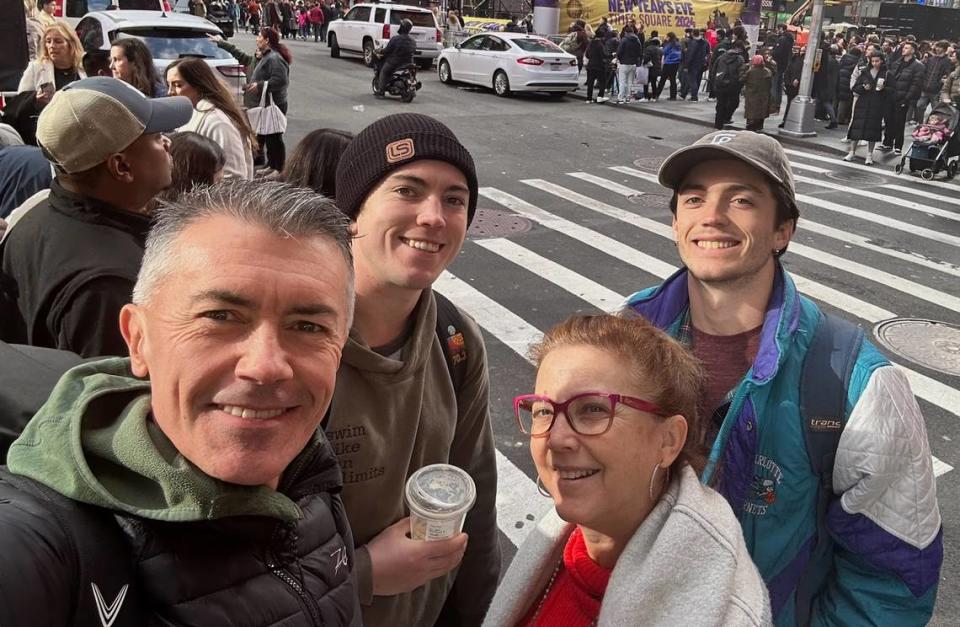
<point x="610" y="46"/>
<point x="906" y="80"/>
<point x="937" y="69"/>
<point x="793" y="73"/>
<point x="688" y="552"/>
<point x="188" y="549"/>
<point x="867" y="121"/>
<point x="270" y="67"/>
<point x="630" y="50"/>
<point x="597" y="57"/>
<point x="783" y="49"/>
<point x="726" y="72"/>
<point x="847" y="64"/>
<point x="757" y="82"/>
<point x="695" y="55"/>
<point x="884" y="564"/>
<point x="672" y="53"/>
<point x="951" y="87"/>
<point x="653" y="55"/>
<point x="825" y="88"/>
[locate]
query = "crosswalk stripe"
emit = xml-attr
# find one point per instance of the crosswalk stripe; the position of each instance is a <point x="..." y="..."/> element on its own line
<point x="901" y="203"/>
<point x="837" y="208"/>
<point x="940" y="467"/>
<point x="613" y="186"/>
<point x="604" y="244"/>
<point x="519" y="505"/>
<point x="855" y="306"/>
<point x="866" y="168"/>
<point x="899" y="283"/>
<point x="923" y="193"/>
<point x="926" y="388"/>
<point x="809" y="168"/>
<point x="597" y="295"/>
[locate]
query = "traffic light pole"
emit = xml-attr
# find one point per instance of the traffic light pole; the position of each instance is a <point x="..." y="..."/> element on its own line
<point x="799" y="122"/>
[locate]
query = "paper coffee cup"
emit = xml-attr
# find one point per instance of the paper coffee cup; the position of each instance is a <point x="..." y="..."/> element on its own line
<point x="439" y="497"/>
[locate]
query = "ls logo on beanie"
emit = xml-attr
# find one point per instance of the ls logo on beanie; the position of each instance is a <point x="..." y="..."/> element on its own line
<point x="400" y="150"/>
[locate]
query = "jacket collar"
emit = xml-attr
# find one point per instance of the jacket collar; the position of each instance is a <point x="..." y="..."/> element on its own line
<point x="96" y="211"/>
<point x="667" y="304"/>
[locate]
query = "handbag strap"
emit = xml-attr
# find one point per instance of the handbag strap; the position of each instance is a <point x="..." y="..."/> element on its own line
<point x="263" y="96"/>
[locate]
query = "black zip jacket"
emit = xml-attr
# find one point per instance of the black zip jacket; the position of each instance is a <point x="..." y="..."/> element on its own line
<point x="630" y="51"/>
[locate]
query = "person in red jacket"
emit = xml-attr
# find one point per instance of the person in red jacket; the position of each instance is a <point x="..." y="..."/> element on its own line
<point x="315" y="17"/>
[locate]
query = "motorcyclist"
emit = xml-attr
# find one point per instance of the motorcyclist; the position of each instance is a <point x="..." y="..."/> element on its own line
<point x="398" y="53"/>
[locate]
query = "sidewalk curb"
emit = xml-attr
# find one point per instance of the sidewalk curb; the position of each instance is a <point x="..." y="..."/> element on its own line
<point x="791" y="141"/>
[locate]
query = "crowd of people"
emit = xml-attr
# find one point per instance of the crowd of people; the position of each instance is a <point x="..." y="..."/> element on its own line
<point x="214" y="386"/>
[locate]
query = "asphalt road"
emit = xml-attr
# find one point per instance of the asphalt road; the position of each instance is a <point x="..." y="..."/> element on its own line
<point x="560" y="231"/>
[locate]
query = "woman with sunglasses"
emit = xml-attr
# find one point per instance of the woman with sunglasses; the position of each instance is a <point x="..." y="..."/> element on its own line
<point x="634" y="537"/>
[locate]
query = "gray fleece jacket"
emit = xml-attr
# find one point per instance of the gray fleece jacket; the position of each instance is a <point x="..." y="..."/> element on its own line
<point x="687" y="564"/>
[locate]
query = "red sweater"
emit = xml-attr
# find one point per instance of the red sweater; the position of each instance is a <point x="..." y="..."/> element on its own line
<point x="577" y="590"/>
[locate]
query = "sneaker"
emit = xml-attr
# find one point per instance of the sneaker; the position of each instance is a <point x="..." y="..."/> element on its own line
<point x="844" y="140"/>
<point x="619" y="102"/>
<point x="694" y="100"/>
<point x="601" y="100"/>
<point x="828" y="126"/>
<point x="884" y="147"/>
<point x="589" y="100"/>
<point x="711" y="99"/>
<point x="897" y="151"/>
<point x="868" y="160"/>
<point x="849" y="157"/>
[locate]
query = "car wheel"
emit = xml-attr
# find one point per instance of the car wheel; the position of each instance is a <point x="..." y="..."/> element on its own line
<point x="444" y="71"/>
<point x="368" y="52"/>
<point x="501" y="84"/>
<point x="334" y="46"/>
<point x="425" y="64"/>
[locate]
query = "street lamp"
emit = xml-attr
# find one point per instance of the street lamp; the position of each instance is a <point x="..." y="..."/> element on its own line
<point x="799" y="122"/>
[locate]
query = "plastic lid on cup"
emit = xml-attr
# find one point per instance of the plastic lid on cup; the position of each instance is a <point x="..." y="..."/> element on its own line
<point x="441" y="490"/>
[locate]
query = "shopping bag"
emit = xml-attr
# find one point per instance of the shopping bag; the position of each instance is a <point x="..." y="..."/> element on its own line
<point x="267" y="119"/>
<point x="643" y="75"/>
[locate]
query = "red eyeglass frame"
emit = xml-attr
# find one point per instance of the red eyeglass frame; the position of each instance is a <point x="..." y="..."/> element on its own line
<point x="629" y="401"/>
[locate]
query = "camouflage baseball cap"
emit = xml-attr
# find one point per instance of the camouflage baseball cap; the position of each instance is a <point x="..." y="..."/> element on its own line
<point x="759" y="151"/>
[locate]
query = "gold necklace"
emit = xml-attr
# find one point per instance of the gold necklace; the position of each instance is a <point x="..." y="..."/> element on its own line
<point x="546" y="593"/>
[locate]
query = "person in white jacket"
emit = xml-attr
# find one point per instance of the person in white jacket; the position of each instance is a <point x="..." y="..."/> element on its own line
<point x="59" y="63"/>
<point x="216" y="114"/>
<point x="634" y="538"/>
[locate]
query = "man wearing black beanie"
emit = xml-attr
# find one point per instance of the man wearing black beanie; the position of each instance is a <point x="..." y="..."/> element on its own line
<point x="413" y="387"/>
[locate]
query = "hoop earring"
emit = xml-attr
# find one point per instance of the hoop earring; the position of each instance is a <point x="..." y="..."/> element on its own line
<point x="653" y="479"/>
<point x="542" y="489"/>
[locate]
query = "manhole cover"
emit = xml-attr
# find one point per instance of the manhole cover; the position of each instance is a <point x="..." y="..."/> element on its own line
<point x="651" y="201"/>
<point x="648" y="163"/>
<point x="856" y="176"/>
<point x="929" y="343"/>
<point x="496" y="223"/>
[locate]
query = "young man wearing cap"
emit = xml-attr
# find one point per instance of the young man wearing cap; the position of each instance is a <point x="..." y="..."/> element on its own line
<point x="410" y="187"/>
<point x="70" y="265"/>
<point x="877" y="555"/>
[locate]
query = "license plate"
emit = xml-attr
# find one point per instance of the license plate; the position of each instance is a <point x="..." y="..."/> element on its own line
<point x="555" y="66"/>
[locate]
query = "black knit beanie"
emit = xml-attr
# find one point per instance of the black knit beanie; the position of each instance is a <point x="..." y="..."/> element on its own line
<point x="390" y="143"/>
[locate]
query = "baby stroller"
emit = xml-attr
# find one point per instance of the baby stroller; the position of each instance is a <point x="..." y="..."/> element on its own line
<point x="936" y="144"/>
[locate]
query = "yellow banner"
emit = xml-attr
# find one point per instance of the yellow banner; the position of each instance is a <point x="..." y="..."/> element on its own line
<point x="475" y="25"/>
<point x="662" y="16"/>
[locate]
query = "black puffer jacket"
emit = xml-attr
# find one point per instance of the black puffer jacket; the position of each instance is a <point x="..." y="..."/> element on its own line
<point x="906" y="80"/>
<point x="937" y="69"/>
<point x="243" y="571"/>
<point x="653" y="54"/>
<point x="868" y="112"/>
<point x="847" y="64"/>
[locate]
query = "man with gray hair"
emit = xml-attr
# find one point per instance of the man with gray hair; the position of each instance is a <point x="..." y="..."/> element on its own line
<point x="189" y="483"/>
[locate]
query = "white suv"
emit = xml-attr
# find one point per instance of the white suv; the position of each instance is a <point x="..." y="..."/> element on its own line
<point x="368" y="27"/>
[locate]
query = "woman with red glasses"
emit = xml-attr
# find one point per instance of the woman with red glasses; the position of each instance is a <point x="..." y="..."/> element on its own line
<point x="634" y="537"/>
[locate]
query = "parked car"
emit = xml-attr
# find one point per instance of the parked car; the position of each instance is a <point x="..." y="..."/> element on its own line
<point x="509" y="62"/>
<point x="367" y="28"/>
<point x="169" y="37"/>
<point x="73" y="10"/>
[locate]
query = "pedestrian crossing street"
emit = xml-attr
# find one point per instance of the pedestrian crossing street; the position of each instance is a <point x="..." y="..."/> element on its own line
<point x="872" y="249"/>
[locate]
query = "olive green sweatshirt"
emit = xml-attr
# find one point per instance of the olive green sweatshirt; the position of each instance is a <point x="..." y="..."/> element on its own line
<point x="95" y="442"/>
<point x="391" y="417"/>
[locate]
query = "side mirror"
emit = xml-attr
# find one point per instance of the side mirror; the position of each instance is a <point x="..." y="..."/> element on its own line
<point x="457" y="46"/>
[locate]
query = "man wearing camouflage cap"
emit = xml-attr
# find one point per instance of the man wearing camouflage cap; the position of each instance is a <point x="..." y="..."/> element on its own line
<point x="413" y="387"/>
<point x="70" y="265"/>
<point x="817" y="441"/>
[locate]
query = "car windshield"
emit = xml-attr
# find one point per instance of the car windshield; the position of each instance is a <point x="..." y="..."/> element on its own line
<point x="174" y="43"/>
<point x="417" y="17"/>
<point x="536" y="45"/>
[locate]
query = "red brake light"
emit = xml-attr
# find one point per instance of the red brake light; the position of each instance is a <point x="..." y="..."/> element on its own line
<point x="530" y="61"/>
<point x="231" y="71"/>
<point x="439" y="36"/>
<point x="573" y="61"/>
<point x="386" y="32"/>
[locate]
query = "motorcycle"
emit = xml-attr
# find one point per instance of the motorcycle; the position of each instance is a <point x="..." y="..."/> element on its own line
<point x="403" y="82"/>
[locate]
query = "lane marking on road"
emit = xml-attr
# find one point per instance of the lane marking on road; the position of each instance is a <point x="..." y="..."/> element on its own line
<point x="901" y="203"/>
<point x="837" y="208"/>
<point x="933" y="391"/>
<point x="866" y="168"/>
<point x="855" y="306"/>
<point x="923" y="194"/>
<point x="940" y="467"/>
<point x="613" y="186"/>
<point x="917" y="290"/>
<point x="597" y="295"/>
<point x="811" y="168"/>
<point x="602" y="243"/>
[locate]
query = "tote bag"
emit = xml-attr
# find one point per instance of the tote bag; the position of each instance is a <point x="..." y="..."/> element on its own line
<point x="267" y="119"/>
<point x="643" y="75"/>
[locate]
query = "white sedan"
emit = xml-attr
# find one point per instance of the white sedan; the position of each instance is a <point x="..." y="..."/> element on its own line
<point x="510" y="62"/>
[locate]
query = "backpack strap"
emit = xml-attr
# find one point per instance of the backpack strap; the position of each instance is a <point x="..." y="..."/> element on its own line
<point x="104" y="571"/>
<point x="449" y="325"/>
<point x="824" y="379"/>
